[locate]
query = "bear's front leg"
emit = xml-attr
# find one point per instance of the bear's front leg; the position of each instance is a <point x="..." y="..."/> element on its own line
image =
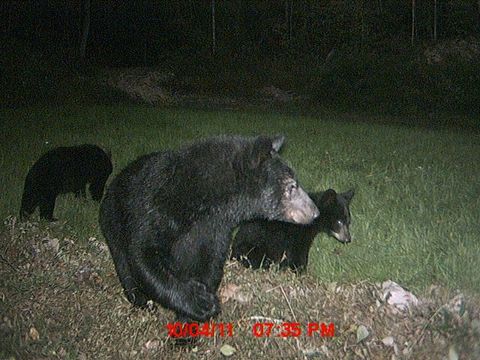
<point x="297" y="258"/>
<point x="185" y="295"/>
<point x="202" y="253"/>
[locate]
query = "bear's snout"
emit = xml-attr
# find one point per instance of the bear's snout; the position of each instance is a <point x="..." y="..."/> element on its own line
<point x="301" y="209"/>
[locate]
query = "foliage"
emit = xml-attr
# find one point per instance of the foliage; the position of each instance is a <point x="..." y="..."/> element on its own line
<point x="142" y="32"/>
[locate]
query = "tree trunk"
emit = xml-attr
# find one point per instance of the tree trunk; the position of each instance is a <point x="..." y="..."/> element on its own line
<point x="288" y="20"/>
<point x="85" y="28"/>
<point x="9" y="21"/>
<point x="413" y="22"/>
<point x="478" y="5"/>
<point x="290" y="23"/>
<point x="214" y="44"/>
<point x="435" y="20"/>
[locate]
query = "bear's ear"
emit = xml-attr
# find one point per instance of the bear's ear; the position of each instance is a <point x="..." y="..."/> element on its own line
<point x="329" y="197"/>
<point x="316" y="197"/>
<point x="277" y="143"/>
<point x="348" y="195"/>
<point x="264" y="147"/>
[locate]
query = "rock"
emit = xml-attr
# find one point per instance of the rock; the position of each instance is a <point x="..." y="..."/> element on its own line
<point x="227" y="350"/>
<point x="362" y="333"/>
<point x="151" y="345"/>
<point x="54" y="244"/>
<point x="388" y="341"/>
<point x="476" y="325"/>
<point x="456" y="305"/>
<point x="33" y="334"/>
<point x="312" y="353"/>
<point x="396" y="296"/>
<point x="452" y="353"/>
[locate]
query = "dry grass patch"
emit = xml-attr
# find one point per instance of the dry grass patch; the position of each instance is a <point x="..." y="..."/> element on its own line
<point x="60" y="298"/>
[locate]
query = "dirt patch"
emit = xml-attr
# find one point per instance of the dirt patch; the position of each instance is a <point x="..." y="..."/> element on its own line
<point x="144" y="85"/>
<point x="466" y="49"/>
<point x="60" y="298"/>
<point x="160" y="88"/>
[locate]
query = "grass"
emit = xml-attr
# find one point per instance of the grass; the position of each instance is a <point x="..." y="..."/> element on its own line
<point x="60" y="299"/>
<point x="415" y="212"/>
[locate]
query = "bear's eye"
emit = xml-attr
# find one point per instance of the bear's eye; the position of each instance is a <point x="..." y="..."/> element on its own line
<point x="291" y="188"/>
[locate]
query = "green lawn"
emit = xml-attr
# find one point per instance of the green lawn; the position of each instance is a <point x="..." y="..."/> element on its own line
<point x="415" y="213"/>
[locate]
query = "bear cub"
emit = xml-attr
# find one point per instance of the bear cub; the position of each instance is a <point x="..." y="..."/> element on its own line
<point x="64" y="170"/>
<point x="168" y="217"/>
<point x="260" y="243"/>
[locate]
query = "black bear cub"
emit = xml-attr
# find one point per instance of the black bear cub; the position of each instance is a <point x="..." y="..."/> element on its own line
<point x="260" y="243"/>
<point x="64" y="170"/>
<point x="168" y="217"/>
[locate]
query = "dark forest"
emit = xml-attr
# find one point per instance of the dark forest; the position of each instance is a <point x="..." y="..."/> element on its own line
<point x="394" y="56"/>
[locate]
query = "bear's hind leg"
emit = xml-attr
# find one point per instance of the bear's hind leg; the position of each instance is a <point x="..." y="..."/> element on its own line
<point x="29" y="204"/>
<point x="130" y="287"/>
<point x="97" y="186"/>
<point x="47" y="205"/>
<point x="297" y="257"/>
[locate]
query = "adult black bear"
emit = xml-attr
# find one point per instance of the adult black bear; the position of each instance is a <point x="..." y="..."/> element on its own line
<point x="63" y="170"/>
<point x="168" y="217"/>
<point x="259" y="243"/>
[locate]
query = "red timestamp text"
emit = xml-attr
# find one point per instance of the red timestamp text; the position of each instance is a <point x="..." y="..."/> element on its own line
<point x="293" y="329"/>
<point x="208" y="329"/>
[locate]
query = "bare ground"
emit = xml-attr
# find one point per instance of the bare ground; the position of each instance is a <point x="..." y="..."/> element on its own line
<point x="60" y="298"/>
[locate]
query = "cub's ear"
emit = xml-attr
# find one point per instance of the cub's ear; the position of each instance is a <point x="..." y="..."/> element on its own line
<point x="348" y="195"/>
<point x="264" y="147"/>
<point x="277" y="143"/>
<point x="329" y="197"/>
<point x="316" y="197"/>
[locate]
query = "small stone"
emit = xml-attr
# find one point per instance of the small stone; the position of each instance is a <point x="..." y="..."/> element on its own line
<point x="476" y="325"/>
<point x="362" y="333"/>
<point x="54" y="244"/>
<point x="332" y="287"/>
<point x="388" y="341"/>
<point x="33" y="333"/>
<point x="227" y="350"/>
<point x="151" y="345"/>
<point x="452" y="353"/>
<point x="457" y="305"/>
<point x="312" y="352"/>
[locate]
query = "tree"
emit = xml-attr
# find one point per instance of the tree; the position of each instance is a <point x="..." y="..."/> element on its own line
<point x="85" y="15"/>
<point x="413" y="22"/>
<point x="214" y="44"/>
<point x="288" y="20"/>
